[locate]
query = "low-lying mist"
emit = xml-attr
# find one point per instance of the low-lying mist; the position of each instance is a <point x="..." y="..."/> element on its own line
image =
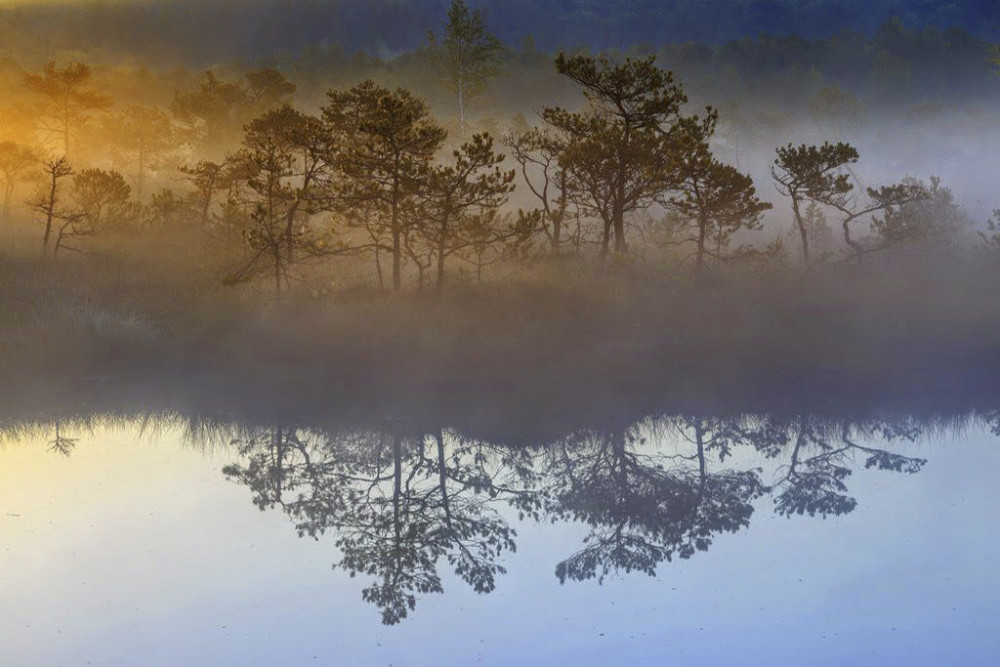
<point x="765" y="224"/>
<point x="554" y="339"/>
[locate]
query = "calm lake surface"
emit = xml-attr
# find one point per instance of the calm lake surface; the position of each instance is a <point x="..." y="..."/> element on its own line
<point x="713" y="541"/>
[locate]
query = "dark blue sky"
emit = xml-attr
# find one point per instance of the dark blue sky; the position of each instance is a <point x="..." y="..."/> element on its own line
<point x="210" y="29"/>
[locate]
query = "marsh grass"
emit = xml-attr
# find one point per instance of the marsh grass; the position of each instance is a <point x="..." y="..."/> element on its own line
<point x="552" y="342"/>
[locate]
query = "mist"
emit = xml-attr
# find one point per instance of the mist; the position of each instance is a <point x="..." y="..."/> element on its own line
<point x="415" y="276"/>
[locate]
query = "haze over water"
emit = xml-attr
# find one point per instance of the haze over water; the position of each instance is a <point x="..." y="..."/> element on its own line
<point x="501" y="332"/>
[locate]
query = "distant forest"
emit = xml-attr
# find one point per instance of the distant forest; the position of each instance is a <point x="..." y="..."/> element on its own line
<point x="898" y="54"/>
<point x="201" y="33"/>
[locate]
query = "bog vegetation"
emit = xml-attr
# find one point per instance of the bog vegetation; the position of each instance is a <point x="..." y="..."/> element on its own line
<point x="468" y="200"/>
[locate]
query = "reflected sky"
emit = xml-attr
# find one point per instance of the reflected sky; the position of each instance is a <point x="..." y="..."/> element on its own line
<point x="138" y="548"/>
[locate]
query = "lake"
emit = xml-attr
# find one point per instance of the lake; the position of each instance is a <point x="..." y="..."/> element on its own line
<point x="168" y="539"/>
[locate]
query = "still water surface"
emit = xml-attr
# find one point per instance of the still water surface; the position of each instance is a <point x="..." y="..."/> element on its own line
<point x="747" y="541"/>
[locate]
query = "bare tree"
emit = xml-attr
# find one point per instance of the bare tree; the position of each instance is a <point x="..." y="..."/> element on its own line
<point x="47" y="201"/>
<point x="537" y="152"/>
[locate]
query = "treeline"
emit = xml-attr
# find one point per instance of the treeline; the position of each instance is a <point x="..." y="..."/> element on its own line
<point x="616" y="163"/>
<point x="163" y="31"/>
<point x="894" y="63"/>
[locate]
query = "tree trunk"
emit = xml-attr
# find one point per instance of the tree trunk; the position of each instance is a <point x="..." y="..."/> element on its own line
<point x="397" y="234"/>
<point x="443" y="478"/>
<point x="699" y="431"/>
<point x="618" y="219"/>
<point x="140" y="177"/>
<point x="442" y="242"/>
<point x="699" y="263"/>
<point x="65" y="132"/>
<point x="855" y="247"/>
<point x="397" y="485"/>
<point x="8" y="194"/>
<point x="290" y="230"/>
<point x="277" y="272"/>
<point x="397" y="250"/>
<point x="802" y="232"/>
<point x="49" y="215"/>
<point x="378" y="268"/>
<point x="560" y="215"/>
<point x="59" y="240"/>
<point x="606" y="240"/>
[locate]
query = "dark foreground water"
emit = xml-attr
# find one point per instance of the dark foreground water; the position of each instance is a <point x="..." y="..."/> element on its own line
<point x="750" y="540"/>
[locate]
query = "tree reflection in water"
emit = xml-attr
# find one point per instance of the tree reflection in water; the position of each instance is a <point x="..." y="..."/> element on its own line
<point x="398" y="504"/>
<point x="814" y="479"/>
<point x="644" y="505"/>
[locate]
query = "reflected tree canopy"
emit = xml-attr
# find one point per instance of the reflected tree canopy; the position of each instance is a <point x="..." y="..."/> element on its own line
<point x="644" y="505"/>
<point x="403" y="506"/>
<point x="814" y="480"/>
<point x="400" y="505"/>
<point x="397" y="506"/>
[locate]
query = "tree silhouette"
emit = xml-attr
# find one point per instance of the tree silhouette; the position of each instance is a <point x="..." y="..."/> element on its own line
<point x="836" y="107"/>
<point x="208" y="179"/>
<point x="926" y="217"/>
<point x="104" y="200"/>
<point x="69" y="97"/>
<point x="537" y="152"/>
<point x="643" y="507"/>
<point x="142" y="135"/>
<point x="468" y="55"/>
<point x="17" y="164"/>
<point x="713" y="200"/>
<point x="389" y="142"/>
<point x="460" y="197"/>
<point x="814" y="480"/>
<point x="47" y="202"/>
<point x="395" y="506"/>
<point x="615" y="150"/>
<point x="213" y="112"/>
<point x="269" y="89"/>
<point x="61" y="444"/>
<point x="288" y="159"/>
<point x="815" y="173"/>
<point x="166" y="211"/>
